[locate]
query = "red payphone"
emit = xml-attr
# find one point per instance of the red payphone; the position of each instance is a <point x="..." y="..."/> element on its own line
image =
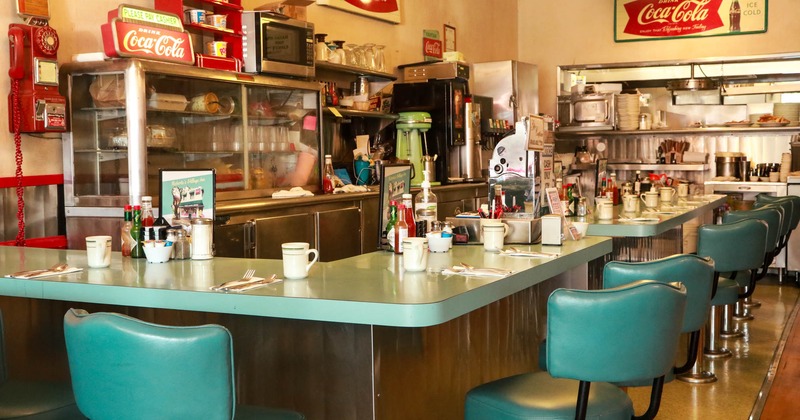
<point x="34" y="79"/>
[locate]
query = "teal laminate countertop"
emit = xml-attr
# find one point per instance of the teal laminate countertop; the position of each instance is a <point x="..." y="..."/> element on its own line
<point x="669" y="216"/>
<point x="368" y="289"/>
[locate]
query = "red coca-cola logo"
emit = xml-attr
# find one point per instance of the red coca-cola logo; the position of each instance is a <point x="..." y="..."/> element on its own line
<point x="432" y="47"/>
<point x="375" y="6"/>
<point x="134" y="40"/>
<point x="151" y="42"/>
<point x="659" y="18"/>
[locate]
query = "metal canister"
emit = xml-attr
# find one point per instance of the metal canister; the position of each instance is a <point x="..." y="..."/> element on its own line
<point x="202" y="238"/>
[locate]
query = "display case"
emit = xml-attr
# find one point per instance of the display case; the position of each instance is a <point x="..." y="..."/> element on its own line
<point x="130" y="118"/>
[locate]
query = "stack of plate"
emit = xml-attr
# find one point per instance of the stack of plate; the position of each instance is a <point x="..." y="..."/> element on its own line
<point x="786" y="164"/>
<point x="789" y="111"/>
<point x="627" y="106"/>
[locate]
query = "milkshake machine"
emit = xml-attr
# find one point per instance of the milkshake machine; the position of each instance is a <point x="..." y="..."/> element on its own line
<point x="412" y="144"/>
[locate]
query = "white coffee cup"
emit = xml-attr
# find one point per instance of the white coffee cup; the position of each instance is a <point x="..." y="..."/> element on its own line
<point x="600" y="200"/>
<point x="415" y="254"/>
<point x="683" y="190"/>
<point x="650" y="199"/>
<point x="666" y="193"/>
<point x="295" y="259"/>
<point x="98" y="251"/>
<point x="605" y="211"/>
<point x="630" y="203"/>
<point x="493" y="236"/>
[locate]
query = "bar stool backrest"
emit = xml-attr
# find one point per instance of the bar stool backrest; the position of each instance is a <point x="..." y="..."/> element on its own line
<point x="794" y="214"/>
<point x="772" y="215"/>
<point x="695" y="273"/>
<point x="733" y="246"/>
<point x="613" y="335"/>
<point x="125" y="368"/>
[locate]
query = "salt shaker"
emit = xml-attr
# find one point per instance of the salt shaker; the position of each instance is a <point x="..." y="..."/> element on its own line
<point x="180" y="245"/>
<point x="202" y="238"/>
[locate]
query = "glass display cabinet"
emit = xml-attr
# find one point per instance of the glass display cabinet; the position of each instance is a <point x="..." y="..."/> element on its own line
<point x="130" y="118"/>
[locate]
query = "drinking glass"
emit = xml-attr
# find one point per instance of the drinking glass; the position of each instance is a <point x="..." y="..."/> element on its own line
<point x="350" y="56"/>
<point x="380" y="59"/>
<point x="369" y="56"/>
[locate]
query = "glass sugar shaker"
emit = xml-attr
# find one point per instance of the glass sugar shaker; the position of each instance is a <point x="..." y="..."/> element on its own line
<point x="581" y="210"/>
<point x="180" y="245"/>
<point x="202" y="238"/>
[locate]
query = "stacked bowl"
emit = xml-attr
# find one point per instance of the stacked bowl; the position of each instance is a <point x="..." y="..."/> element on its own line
<point x="627" y="106"/>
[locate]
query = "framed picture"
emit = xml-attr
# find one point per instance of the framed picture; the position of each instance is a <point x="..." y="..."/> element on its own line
<point x="535" y="132"/>
<point x="395" y="181"/>
<point x="186" y="194"/>
<point x="388" y="10"/>
<point x="449" y="38"/>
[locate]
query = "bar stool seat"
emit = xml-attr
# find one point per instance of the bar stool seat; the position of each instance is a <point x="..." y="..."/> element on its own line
<point x="123" y="368"/>
<point x="594" y="336"/>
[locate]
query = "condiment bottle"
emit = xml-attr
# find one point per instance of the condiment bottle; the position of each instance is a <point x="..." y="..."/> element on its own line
<point x="202" y="238"/>
<point x="125" y="231"/>
<point x="425" y="206"/>
<point x="400" y="229"/>
<point x="497" y="207"/>
<point x="180" y="246"/>
<point x="147" y="211"/>
<point x="136" y="232"/>
<point x="327" y="178"/>
<point x="409" y="215"/>
<point x="390" y="233"/>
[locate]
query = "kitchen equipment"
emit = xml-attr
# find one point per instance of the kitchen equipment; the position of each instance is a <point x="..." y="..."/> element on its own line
<point x="471" y="151"/>
<point x="278" y="44"/>
<point x="513" y="85"/>
<point x="728" y="164"/>
<point x="421" y="72"/>
<point x="594" y="111"/>
<point x="412" y="143"/>
<point x="443" y="100"/>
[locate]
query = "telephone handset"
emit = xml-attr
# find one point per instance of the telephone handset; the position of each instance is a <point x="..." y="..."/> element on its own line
<point x="34" y="65"/>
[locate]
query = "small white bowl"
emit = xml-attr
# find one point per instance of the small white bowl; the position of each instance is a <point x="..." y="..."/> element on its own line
<point x="157" y="254"/>
<point x="439" y="244"/>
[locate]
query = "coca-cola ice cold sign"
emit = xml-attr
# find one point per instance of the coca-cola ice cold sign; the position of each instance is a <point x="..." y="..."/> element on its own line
<point x="123" y="39"/>
<point x="641" y="20"/>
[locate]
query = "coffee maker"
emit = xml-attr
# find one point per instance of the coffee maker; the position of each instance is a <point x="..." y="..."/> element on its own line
<point x="444" y="100"/>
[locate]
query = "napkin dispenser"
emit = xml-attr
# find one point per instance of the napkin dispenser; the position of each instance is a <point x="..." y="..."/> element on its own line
<point x="521" y="230"/>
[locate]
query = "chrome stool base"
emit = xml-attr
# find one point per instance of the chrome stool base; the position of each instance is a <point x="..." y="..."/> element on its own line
<point x="731" y="334"/>
<point x="743" y="317"/>
<point x="752" y="303"/>
<point x="702" y="377"/>
<point x="719" y="353"/>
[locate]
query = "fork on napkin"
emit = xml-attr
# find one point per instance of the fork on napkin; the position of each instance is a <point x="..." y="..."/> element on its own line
<point x="245" y="285"/>
<point x="52" y="271"/>
<point x="514" y="252"/>
<point x="470" y="271"/>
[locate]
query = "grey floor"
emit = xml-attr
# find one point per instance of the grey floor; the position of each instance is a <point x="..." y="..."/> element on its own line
<point x="741" y="377"/>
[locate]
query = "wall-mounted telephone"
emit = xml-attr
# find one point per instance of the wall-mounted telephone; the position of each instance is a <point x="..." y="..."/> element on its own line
<point x="34" y="79"/>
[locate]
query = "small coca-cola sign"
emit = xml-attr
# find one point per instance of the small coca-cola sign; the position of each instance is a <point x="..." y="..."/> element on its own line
<point x="432" y="48"/>
<point x="123" y="39"/>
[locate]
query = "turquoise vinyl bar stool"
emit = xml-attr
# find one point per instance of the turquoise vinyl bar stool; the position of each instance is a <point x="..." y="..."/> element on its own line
<point x="594" y="337"/>
<point x="33" y="400"/>
<point x="793" y="211"/>
<point x="697" y="275"/>
<point x="735" y="246"/>
<point x="774" y="215"/>
<point x="124" y="368"/>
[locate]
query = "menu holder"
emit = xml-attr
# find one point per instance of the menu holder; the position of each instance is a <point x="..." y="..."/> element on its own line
<point x="395" y="181"/>
<point x="187" y="194"/>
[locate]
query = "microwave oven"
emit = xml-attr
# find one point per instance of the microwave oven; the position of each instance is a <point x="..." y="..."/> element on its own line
<point x="277" y="44"/>
<point x="579" y="112"/>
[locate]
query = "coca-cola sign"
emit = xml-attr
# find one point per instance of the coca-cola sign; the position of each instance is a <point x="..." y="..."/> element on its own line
<point x="432" y="48"/>
<point x="638" y="20"/>
<point x="123" y="39"/>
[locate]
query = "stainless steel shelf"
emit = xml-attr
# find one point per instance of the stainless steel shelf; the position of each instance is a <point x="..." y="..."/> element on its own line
<point x="682" y="131"/>
<point x="357" y="71"/>
<point x="644" y="166"/>
<point x="366" y="114"/>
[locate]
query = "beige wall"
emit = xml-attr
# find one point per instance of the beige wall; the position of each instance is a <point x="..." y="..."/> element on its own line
<point x="548" y="33"/>
<point x="582" y="32"/>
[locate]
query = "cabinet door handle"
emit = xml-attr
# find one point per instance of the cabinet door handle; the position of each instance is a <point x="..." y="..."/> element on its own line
<point x="744" y="187"/>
